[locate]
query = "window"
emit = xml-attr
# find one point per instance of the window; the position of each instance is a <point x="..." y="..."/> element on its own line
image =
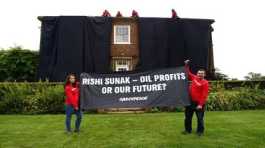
<point x="122" y="69"/>
<point x="122" y="63"/>
<point x="122" y="34"/>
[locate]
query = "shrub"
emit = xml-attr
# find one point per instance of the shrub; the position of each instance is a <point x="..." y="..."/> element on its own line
<point x="236" y="99"/>
<point x="31" y="98"/>
<point x="46" y="97"/>
<point x="17" y="64"/>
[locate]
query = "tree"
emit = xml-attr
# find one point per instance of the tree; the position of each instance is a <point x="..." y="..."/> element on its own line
<point x="17" y="64"/>
<point x="219" y="75"/>
<point x="252" y="76"/>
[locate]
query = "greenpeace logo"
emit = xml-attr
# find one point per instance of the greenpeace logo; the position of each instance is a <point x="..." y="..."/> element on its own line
<point x="133" y="99"/>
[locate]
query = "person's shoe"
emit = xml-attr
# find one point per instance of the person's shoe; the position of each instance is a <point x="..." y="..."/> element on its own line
<point x="76" y="130"/>
<point x="185" y="133"/>
<point x="200" y="134"/>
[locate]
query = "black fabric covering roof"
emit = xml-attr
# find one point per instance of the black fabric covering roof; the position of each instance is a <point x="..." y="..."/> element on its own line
<point x="168" y="42"/>
<point x="76" y="44"/>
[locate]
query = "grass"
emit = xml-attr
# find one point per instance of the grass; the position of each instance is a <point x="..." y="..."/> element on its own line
<point x="238" y="129"/>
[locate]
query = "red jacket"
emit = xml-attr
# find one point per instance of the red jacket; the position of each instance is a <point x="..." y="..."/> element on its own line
<point x="199" y="88"/>
<point x="72" y="95"/>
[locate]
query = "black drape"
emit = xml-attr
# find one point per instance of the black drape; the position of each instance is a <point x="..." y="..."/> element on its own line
<point x="79" y="44"/>
<point x="198" y="42"/>
<point x="69" y="47"/>
<point x="166" y="42"/>
<point x="47" y="41"/>
<point x="75" y="44"/>
<point x="153" y="37"/>
<point x="100" y="29"/>
<point x="176" y="43"/>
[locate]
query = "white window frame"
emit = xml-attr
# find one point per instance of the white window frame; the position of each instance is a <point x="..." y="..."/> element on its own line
<point x="129" y="34"/>
<point x="126" y="67"/>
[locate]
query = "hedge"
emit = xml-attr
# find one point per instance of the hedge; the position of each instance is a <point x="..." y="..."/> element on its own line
<point x="236" y="99"/>
<point x="46" y="97"/>
<point x="17" y="64"/>
<point x="31" y="98"/>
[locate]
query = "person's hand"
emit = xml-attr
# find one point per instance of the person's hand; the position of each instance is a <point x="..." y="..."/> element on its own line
<point x="186" y="62"/>
<point x="199" y="107"/>
<point x="76" y="108"/>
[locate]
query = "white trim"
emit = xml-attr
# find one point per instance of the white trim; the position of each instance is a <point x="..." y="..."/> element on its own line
<point x="129" y="34"/>
<point x="118" y="58"/>
<point x="126" y="67"/>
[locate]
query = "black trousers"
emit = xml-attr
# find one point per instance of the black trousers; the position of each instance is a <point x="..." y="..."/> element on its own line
<point x="189" y="111"/>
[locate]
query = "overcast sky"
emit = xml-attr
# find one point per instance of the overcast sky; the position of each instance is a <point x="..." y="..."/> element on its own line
<point x="238" y="37"/>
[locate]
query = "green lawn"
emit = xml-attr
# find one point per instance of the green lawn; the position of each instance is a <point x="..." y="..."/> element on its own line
<point x="223" y="129"/>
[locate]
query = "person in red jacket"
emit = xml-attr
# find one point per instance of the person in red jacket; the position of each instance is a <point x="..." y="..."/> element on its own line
<point x="71" y="89"/>
<point x="198" y="90"/>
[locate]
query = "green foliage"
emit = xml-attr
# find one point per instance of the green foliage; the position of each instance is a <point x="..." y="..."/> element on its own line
<point x="236" y="99"/>
<point x="17" y="64"/>
<point x="252" y="76"/>
<point x="46" y="97"/>
<point x="31" y="98"/>
<point x="219" y="75"/>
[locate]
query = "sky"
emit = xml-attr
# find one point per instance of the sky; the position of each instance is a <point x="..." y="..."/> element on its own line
<point x="238" y="37"/>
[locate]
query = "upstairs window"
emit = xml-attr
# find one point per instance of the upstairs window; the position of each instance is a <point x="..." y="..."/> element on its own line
<point x="122" y="34"/>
